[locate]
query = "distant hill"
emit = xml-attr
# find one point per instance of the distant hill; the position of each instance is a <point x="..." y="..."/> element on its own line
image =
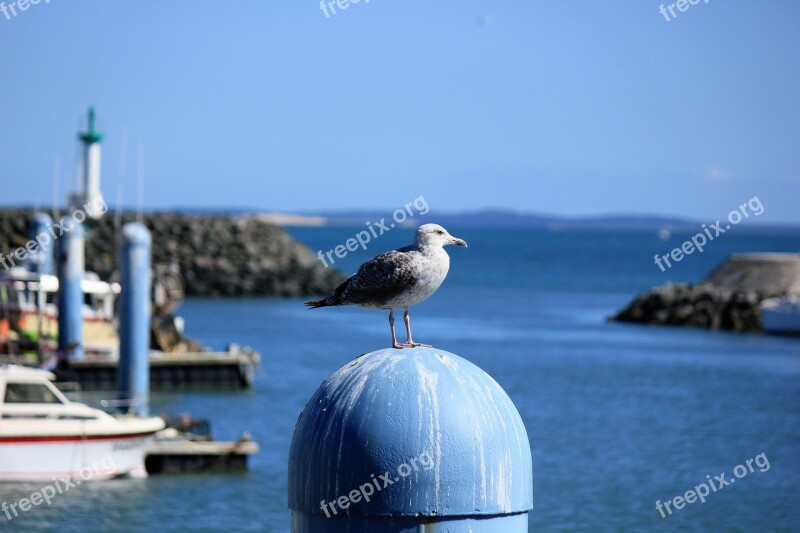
<point x="493" y="218"/>
<point x="496" y="218"/>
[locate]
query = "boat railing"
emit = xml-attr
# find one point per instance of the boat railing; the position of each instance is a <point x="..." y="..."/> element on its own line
<point x="114" y="407"/>
<point x="121" y="406"/>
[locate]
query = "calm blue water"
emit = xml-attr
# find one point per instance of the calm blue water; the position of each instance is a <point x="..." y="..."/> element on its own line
<point x="619" y="416"/>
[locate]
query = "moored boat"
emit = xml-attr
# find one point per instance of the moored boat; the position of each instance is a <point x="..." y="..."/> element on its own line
<point x="27" y="304"/>
<point x="44" y="435"/>
<point x="781" y="315"/>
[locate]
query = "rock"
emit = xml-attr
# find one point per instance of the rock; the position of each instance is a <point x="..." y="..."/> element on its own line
<point x="729" y="298"/>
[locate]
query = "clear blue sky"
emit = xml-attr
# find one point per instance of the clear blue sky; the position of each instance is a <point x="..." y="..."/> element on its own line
<point x="575" y="108"/>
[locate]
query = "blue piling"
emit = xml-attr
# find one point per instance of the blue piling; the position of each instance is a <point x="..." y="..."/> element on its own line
<point x="406" y="441"/>
<point x="70" y="267"/>
<point x="39" y="231"/>
<point x="133" y="370"/>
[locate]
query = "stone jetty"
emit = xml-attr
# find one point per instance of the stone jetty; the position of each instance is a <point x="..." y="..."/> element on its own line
<point x="728" y="298"/>
<point x="218" y="255"/>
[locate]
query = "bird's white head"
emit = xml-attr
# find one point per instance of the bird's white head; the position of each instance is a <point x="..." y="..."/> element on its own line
<point x="435" y="235"/>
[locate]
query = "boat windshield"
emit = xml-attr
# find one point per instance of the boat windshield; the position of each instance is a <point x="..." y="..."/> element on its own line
<point x="30" y="393"/>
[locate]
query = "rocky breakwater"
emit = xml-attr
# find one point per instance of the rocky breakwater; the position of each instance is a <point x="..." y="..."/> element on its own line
<point x="218" y="255"/>
<point x="728" y="298"/>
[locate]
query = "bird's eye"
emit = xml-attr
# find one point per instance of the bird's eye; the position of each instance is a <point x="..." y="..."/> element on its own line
<point x="440" y="232"/>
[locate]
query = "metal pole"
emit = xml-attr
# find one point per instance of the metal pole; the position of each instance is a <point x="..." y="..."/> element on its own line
<point x="70" y="265"/>
<point x="133" y="371"/>
<point x="40" y="262"/>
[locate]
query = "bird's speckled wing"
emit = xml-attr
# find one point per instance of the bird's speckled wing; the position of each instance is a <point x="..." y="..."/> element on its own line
<point x="379" y="279"/>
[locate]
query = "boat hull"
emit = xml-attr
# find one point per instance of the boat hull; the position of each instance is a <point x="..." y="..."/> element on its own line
<point x="781" y="315"/>
<point x="80" y="458"/>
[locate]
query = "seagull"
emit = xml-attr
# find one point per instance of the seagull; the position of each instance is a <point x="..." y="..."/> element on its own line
<point x="400" y="278"/>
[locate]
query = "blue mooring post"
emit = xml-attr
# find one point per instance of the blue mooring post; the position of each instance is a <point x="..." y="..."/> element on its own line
<point x="39" y="231"/>
<point x="133" y="369"/>
<point x="407" y="441"/>
<point x="70" y="266"/>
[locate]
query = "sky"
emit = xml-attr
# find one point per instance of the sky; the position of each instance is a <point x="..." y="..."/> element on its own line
<point x="568" y="108"/>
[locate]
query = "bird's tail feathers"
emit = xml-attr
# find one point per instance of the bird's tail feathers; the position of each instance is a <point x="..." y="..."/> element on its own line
<point x="326" y="302"/>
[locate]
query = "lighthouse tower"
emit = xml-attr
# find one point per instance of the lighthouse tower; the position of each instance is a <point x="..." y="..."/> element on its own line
<point x="91" y="199"/>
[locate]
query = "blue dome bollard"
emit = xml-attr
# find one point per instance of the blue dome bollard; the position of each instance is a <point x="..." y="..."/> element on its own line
<point x="410" y="440"/>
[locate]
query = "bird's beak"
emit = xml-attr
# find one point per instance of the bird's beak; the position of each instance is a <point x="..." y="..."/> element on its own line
<point x="458" y="242"/>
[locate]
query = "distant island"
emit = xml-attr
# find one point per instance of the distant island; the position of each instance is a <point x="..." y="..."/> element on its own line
<point x="497" y="218"/>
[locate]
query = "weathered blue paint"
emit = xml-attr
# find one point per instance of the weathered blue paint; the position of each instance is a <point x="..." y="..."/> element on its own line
<point x="70" y="267"/>
<point x="39" y="231"/>
<point x="133" y="371"/>
<point x="389" y="409"/>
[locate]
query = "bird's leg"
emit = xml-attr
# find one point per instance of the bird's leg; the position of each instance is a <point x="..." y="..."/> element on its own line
<point x="395" y="344"/>
<point x="410" y="342"/>
<point x="407" y="321"/>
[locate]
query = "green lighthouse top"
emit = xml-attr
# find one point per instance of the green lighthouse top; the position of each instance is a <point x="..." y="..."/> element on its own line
<point x="91" y="136"/>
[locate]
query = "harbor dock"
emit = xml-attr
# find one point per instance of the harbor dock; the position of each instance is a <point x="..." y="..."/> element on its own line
<point x="228" y="370"/>
<point x="168" y="456"/>
<point x="233" y="369"/>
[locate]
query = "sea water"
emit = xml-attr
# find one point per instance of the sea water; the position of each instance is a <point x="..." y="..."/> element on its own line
<point x="619" y="416"/>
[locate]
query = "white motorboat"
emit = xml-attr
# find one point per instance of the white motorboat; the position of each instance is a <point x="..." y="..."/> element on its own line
<point x="44" y="435"/>
<point x="781" y="315"/>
